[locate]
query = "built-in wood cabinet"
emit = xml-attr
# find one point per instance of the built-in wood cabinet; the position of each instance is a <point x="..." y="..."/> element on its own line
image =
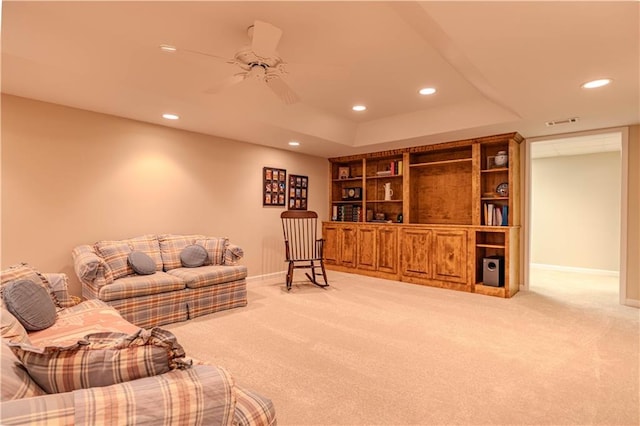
<point x="429" y="214"/>
<point x="340" y="244"/>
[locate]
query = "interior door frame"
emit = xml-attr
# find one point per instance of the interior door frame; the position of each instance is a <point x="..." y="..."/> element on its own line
<point x="624" y="182"/>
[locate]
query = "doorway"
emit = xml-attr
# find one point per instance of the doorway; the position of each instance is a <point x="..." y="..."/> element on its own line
<point x="574" y="218"/>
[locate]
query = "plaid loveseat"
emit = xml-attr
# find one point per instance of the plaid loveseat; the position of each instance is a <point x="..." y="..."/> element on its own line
<point x="199" y="395"/>
<point x="173" y="293"/>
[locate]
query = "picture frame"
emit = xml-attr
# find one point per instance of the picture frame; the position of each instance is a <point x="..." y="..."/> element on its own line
<point x="274" y="186"/>
<point x="343" y="172"/>
<point x="491" y="162"/>
<point x="298" y="189"/>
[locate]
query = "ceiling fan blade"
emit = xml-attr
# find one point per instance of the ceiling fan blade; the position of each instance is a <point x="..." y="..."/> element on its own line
<point x="265" y="39"/>
<point x="225" y="83"/>
<point x="282" y="90"/>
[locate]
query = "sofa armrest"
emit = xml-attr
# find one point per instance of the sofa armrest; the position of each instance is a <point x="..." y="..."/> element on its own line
<point x="233" y="254"/>
<point x="203" y="395"/>
<point x="91" y="269"/>
<point x="56" y="409"/>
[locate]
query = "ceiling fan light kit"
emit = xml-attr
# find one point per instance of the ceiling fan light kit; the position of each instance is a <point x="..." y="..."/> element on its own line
<point x="257" y="61"/>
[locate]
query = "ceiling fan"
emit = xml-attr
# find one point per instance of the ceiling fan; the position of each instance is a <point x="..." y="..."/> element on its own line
<point x="258" y="61"/>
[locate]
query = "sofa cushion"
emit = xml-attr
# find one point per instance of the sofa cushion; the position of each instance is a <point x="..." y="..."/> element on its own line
<point x="25" y="271"/>
<point x="171" y="246"/>
<point x="16" y="383"/>
<point x="30" y="304"/>
<point x="115" y="255"/>
<point x="11" y="329"/>
<point x="149" y="245"/>
<point x="140" y="285"/>
<point x="90" y="316"/>
<point x="193" y="256"/>
<point x="215" y="249"/>
<point x="141" y="263"/>
<point x="209" y="275"/>
<point x="101" y="359"/>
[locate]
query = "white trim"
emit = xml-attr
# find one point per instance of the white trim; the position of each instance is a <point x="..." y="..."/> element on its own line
<point x="631" y="302"/>
<point x="563" y="268"/>
<point x="624" y="213"/>
<point x="265" y="277"/>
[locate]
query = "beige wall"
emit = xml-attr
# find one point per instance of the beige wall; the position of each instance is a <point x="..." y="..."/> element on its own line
<point x="633" y="218"/>
<point x="72" y="177"/>
<point x="575" y="211"/>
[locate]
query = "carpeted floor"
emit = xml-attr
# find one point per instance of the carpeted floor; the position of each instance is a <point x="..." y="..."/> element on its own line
<point x="368" y="351"/>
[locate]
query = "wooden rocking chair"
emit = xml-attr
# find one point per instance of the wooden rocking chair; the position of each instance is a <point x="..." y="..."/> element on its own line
<point x="302" y="245"/>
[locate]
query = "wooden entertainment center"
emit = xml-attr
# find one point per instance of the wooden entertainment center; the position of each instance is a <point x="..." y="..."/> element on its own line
<point x="429" y="214"/>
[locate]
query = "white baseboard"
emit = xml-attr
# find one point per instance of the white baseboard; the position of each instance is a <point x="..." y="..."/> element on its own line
<point x="547" y="267"/>
<point x="631" y="302"/>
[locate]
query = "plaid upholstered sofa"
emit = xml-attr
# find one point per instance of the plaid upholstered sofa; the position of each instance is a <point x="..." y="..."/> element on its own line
<point x="196" y="395"/>
<point x="173" y="292"/>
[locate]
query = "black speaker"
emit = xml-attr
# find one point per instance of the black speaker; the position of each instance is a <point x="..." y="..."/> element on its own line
<point x="493" y="271"/>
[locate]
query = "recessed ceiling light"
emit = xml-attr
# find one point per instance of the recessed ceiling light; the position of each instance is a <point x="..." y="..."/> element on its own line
<point x="596" y="83"/>
<point x="294" y="143"/>
<point x="359" y="108"/>
<point x="427" y="91"/>
<point x="170" y="116"/>
<point x="167" y="48"/>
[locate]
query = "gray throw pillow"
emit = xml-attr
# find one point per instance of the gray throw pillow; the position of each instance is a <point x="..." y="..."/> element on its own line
<point x="30" y="304"/>
<point x="141" y="263"/>
<point x="193" y="256"/>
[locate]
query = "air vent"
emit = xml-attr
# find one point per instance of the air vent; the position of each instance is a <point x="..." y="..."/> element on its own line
<point x="565" y="121"/>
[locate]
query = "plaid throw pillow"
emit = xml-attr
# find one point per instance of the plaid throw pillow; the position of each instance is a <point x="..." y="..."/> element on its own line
<point x="16" y="383"/>
<point x="215" y="248"/>
<point x="115" y="255"/>
<point x="23" y="271"/>
<point x="102" y="359"/>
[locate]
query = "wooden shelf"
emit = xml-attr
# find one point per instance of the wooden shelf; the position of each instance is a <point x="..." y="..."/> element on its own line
<point x="439" y="163"/>
<point x="353" y="179"/>
<point x="384" y="177"/>
<point x="384" y="201"/>
<point x="494" y="246"/>
<point x="497" y="169"/>
<point x="347" y="202"/>
<point x="494" y="198"/>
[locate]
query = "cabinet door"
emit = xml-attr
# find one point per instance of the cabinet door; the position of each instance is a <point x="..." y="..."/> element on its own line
<point x="450" y="255"/>
<point x="416" y="252"/>
<point x="331" y="244"/>
<point x="367" y="248"/>
<point x="348" y="249"/>
<point x="388" y="250"/>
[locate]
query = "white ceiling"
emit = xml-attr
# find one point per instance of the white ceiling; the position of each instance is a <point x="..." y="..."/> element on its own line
<point x="577" y="145"/>
<point x="498" y="67"/>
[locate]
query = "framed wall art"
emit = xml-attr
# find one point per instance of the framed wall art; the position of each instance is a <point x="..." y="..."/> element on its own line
<point x="274" y="185"/>
<point x="298" y="187"/>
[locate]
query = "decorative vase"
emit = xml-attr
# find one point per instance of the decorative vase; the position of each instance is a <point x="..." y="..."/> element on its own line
<point x="501" y="159"/>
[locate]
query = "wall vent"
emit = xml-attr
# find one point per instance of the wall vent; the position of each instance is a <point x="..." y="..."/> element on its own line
<point x="565" y="121"/>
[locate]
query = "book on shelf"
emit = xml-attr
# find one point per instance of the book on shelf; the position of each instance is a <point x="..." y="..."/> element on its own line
<point x="394" y="169"/>
<point x="496" y="215"/>
<point x="347" y="213"/>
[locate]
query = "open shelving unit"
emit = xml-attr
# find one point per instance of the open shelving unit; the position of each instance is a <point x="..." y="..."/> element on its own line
<point x="440" y="203"/>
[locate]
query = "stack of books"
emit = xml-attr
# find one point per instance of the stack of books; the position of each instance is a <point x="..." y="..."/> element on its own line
<point x="496" y="215"/>
<point x="347" y="213"/>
